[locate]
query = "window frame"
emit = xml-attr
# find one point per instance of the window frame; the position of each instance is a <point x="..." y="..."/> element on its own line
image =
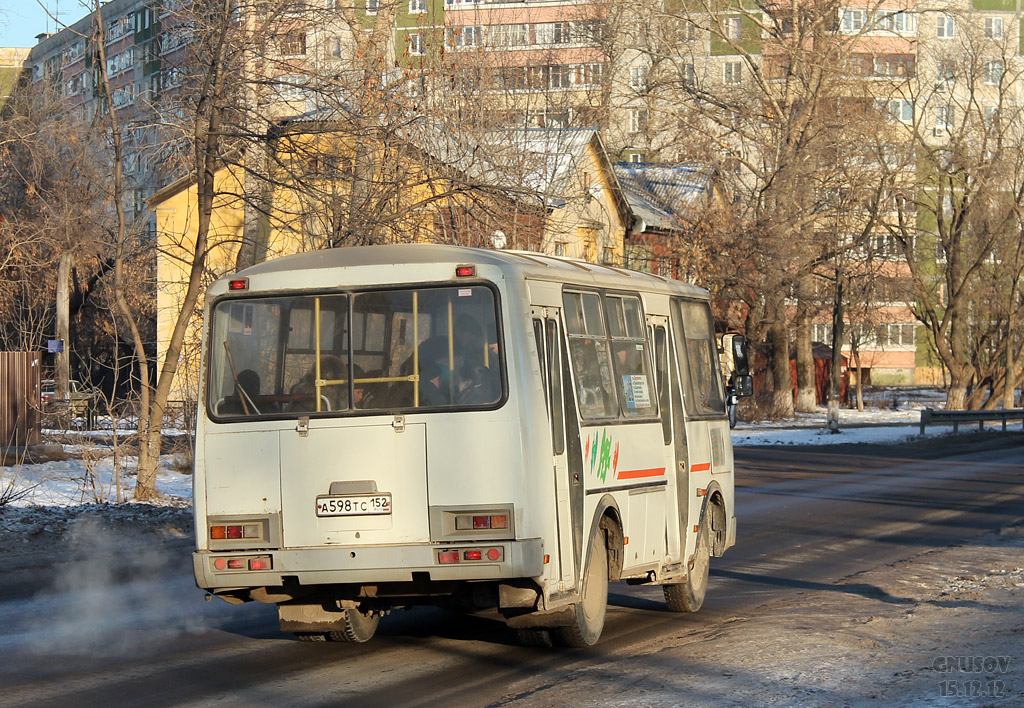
<point x="350" y="294"/>
<point x="621" y="418"/>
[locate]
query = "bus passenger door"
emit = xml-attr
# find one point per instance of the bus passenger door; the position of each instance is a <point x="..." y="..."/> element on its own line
<point x="568" y="482"/>
<point x="677" y="378"/>
<point x="673" y="433"/>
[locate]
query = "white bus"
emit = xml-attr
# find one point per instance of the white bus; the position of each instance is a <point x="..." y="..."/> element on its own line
<point x="390" y="426"/>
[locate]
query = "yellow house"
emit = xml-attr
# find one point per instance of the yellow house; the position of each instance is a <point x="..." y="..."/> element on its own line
<point x="541" y="190"/>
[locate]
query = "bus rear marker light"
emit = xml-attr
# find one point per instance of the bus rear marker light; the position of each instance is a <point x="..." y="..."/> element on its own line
<point x="238" y="284"/>
<point x="465" y="271"/>
<point x="702" y="492"/>
<point x="260" y="563"/>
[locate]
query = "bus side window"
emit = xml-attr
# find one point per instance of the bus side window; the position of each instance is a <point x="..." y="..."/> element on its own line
<point x="661" y="371"/>
<point x="554" y="359"/>
<point x="701" y="358"/>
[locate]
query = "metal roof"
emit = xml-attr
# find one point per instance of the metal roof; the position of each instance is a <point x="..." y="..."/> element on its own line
<point x="521" y="263"/>
<point x="665" y="195"/>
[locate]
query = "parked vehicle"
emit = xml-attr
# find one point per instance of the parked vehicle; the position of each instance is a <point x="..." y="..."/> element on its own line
<point x="420" y="424"/>
<point x="80" y="397"/>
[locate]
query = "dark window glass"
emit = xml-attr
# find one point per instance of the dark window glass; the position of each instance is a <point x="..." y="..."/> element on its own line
<point x="702" y="358"/>
<point x="423" y="348"/>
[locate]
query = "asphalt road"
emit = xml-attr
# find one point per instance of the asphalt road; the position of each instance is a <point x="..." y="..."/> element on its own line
<point x="808" y="517"/>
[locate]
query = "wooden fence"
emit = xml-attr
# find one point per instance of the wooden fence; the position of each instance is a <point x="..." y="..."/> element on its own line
<point x="20" y="379"/>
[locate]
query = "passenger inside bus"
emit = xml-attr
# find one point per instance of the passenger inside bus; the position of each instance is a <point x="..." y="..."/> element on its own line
<point x="247" y="389"/>
<point x="333" y="397"/>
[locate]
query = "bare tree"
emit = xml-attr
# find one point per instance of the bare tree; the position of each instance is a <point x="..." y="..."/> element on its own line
<point x="960" y="232"/>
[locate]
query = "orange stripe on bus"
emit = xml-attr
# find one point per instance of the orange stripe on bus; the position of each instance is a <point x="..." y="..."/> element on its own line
<point x="634" y="474"/>
<point x="703" y="467"/>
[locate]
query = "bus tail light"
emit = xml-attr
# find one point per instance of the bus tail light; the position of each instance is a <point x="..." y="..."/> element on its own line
<point x="260" y="563"/>
<point x="235" y="531"/>
<point x="473" y="524"/>
<point x="243" y="563"/>
<point x="471" y="555"/>
<point x="465" y="522"/>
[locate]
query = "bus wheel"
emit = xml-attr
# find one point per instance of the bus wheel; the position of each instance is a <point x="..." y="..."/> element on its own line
<point x="688" y="596"/>
<point x="534" y="637"/>
<point x="357" y="627"/>
<point x="590" y="610"/>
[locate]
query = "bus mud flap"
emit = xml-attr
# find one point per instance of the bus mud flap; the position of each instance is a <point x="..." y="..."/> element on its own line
<point x="310" y="618"/>
<point x="562" y="617"/>
<point x="517" y="596"/>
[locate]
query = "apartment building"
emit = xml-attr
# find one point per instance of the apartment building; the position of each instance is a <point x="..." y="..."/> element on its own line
<point x="143" y="65"/>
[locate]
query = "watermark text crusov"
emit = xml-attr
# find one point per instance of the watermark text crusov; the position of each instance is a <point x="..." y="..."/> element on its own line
<point x="973" y="676"/>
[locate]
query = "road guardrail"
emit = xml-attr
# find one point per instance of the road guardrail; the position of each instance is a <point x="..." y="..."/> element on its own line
<point x="930" y="416"/>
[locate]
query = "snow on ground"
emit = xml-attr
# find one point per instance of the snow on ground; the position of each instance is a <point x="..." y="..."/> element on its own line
<point x="90" y="474"/>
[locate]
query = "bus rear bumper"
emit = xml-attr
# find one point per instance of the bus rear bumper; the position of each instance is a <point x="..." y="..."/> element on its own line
<point x="365" y="564"/>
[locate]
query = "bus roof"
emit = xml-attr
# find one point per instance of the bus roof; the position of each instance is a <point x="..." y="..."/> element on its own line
<point x="527" y="264"/>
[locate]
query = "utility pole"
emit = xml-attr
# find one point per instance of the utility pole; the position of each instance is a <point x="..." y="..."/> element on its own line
<point x="63" y="324"/>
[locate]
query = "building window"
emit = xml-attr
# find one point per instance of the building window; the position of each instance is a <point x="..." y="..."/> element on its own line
<point x="559" y="248"/>
<point x="552" y="33"/>
<point x="417" y="7"/>
<point x="733" y="27"/>
<point x="890" y="65"/>
<point x="901" y="22"/>
<point x="416" y="44"/>
<point x="945" y="27"/>
<point x="587" y="74"/>
<point x="994" y="28"/>
<point x="900" y="109"/>
<point x="372" y="6"/>
<point x="556" y="76"/>
<point x="854" y="20"/>
<point x="293" y="44"/>
<point x="638" y="77"/>
<point x="289" y="87"/>
<point x="991" y="116"/>
<point x="993" y="72"/>
<point x="943" y="120"/>
<point x="689" y="75"/>
<point x="733" y="72"/>
<point x="636" y="157"/>
<point x="638" y="120"/>
<point x="465" y="36"/>
<point x="945" y="75"/>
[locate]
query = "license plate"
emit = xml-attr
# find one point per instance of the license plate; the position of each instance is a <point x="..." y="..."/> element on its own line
<point x="354" y="505"/>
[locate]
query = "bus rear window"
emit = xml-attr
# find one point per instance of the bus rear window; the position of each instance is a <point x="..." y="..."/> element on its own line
<point x="429" y="348"/>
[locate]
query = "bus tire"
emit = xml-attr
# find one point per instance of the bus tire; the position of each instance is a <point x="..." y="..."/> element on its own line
<point x="590" y="610"/>
<point x="534" y="637"/>
<point x="357" y="627"/>
<point x="688" y="595"/>
<point x="311" y="636"/>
